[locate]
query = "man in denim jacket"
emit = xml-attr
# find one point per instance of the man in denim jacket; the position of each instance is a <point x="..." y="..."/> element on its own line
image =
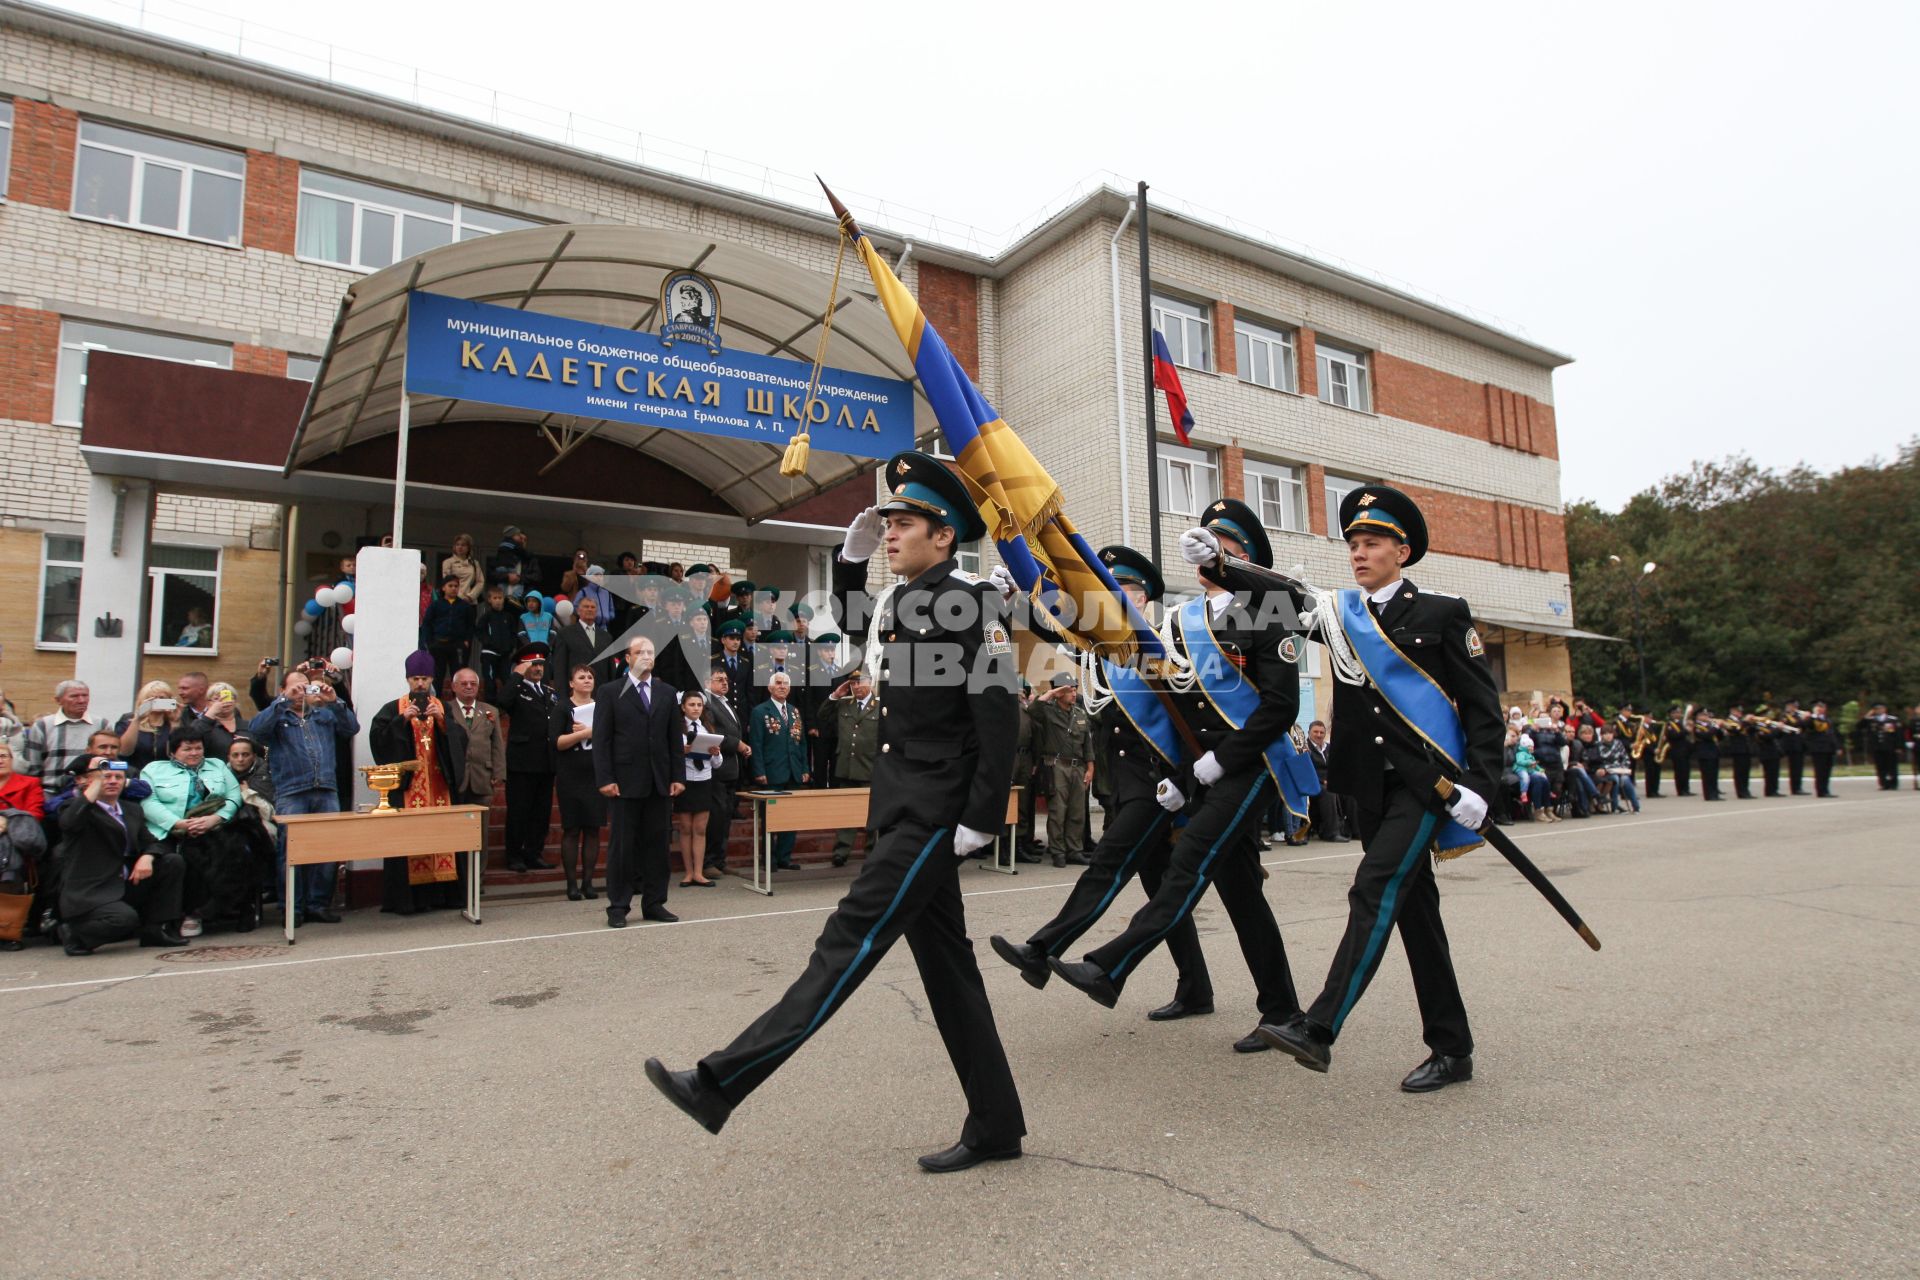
<point x="303" y="730"/>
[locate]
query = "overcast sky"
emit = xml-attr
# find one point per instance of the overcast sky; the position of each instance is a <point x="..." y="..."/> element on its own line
<point x="1712" y="207"/>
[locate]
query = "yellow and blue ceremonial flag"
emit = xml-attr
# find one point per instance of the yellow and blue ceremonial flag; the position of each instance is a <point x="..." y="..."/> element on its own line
<point x="1019" y="501"/>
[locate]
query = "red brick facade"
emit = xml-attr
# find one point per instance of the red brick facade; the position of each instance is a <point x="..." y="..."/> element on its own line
<point x="44" y="140"/>
<point x="29" y="355"/>
<point x="267" y="360"/>
<point x="1316" y="497"/>
<point x="1309" y="362"/>
<point x="1415" y="393"/>
<point x="1226" y="356"/>
<point x="1233" y="472"/>
<point x="1504" y="532"/>
<point x="951" y="300"/>
<point x="273" y="202"/>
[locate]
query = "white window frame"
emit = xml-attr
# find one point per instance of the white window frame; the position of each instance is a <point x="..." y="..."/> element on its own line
<point x="1355" y="391"/>
<point x="1283" y="367"/>
<point x="6" y="144"/>
<point x="1186" y="326"/>
<point x="311" y="373"/>
<point x="40" y="601"/>
<point x="970" y="559"/>
<point x="76" y="344"/>
<point x="1194" y="464"/>
<point x="142" y="163"/>
<point x="1290" y="492"/>
<point x="463" y="222"/>
<point x="1337" y="488"/>
<point x="157" y="642"/>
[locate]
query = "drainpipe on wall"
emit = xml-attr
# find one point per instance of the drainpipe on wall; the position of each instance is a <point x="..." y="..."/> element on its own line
<point x="1119" y="378"/>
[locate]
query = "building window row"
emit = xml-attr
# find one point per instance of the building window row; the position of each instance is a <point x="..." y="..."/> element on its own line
<point x="1277" y="492"/>
<point x="345" y="222"/>
<point x="183" y="596"/>
<point x="1266" y="355"/>
<point x="157" y="183"/>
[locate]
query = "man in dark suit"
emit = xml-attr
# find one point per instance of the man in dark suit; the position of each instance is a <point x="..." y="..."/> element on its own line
<point x="116" y="880"/>
<point x="529" y="705"/>
<point x="581" y="643"/>
<point x="1326" y="809"/>
<point x="735" y="756"/>
<point x="638" y="757"/>
<point x="940" y="791"/>
<point x="1404" y="788"/>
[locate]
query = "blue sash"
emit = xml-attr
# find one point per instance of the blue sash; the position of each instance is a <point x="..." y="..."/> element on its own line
<point x="1414" y="697"/>
<point x="1145" y="709"/>
<point x="1235" y="699"/>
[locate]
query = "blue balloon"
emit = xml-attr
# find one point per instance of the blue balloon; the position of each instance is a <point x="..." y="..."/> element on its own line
<point x="313" y="609"/>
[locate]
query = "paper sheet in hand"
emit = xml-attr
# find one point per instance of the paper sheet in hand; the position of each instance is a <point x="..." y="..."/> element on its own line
<point x="704" y="742"/>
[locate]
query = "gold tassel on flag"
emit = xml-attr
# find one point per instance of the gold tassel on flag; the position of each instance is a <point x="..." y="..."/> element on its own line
<point x="794" y="461"/>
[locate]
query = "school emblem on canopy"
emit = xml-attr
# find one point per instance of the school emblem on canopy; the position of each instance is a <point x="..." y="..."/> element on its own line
<point x="690" y="310"/>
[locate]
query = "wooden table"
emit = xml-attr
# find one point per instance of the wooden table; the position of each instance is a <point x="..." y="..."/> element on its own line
<point x="831" y="808"/>
<point x="344" y="837"/>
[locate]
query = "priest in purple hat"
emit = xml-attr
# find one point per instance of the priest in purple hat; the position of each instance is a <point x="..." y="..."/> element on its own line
<point x="415" y="727"/>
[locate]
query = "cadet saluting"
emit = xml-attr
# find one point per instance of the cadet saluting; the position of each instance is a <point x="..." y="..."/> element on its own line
<point x="944" y="663"/>
<point x="1406" y="756"/>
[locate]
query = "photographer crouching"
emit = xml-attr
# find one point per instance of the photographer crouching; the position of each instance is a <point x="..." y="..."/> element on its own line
<point x="116" y="881"/>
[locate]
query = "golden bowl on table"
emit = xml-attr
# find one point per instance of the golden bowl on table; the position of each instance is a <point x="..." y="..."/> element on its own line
<point x="384" y="778"/>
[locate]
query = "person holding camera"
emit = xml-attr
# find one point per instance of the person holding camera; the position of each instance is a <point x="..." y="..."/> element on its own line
<point x="116" y="880"/>
<point x="416" y="728"/>
<point x="304" y="731"/>
<point x="146" y="730"/>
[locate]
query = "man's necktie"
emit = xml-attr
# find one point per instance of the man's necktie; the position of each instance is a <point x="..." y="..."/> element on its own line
<point x="646" y="698"/>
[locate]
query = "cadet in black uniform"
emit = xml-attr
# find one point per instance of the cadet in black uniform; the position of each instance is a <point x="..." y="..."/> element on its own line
<point x="1221" y="841"/>
<point x="1794" y="746"/>
<point x="1822" y="745"/>
<point x="1880" y="736"/>
<point x="1678" y="734"/>
<point x="1403" y="791"/>
<point x="1766" y="749"/>
<point x="1707" y="734"/>
<point x="1138" y="835"/>
<point x="1738" y="748"/>
<point x="940" y="784"/>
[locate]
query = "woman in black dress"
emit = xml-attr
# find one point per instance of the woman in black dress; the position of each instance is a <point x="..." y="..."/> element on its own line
<point x="690" y="806"/>
<point x="583" y="810"/>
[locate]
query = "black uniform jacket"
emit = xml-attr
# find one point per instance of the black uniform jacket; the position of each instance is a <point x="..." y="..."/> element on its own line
<point x="949" y="716"/>
<point x="529" y="709"/>
<point x="1134" y="767"/>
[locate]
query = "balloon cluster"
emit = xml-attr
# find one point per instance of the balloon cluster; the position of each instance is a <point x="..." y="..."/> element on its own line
<point x="324" y="599"/>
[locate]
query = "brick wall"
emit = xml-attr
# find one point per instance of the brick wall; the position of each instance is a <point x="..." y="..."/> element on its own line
<point x="273" y="202"/>
<point x="1316" y="497"/>
<point x="1309" y="362"/>
<point x="44" y="139"/>
<point x="248" y="358"/>
<point x="1233" y="472"/>
<point x="29" y="356"/>
<point x="1479" y="410"/>
<point x="951" y="300"/>
<point x="1225" y="355"/>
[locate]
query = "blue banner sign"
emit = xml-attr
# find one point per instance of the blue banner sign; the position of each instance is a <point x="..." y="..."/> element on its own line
<point x="498" y="355"/>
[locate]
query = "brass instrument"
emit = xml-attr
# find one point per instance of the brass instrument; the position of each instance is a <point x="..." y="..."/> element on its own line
<point x="1644" y="732"/>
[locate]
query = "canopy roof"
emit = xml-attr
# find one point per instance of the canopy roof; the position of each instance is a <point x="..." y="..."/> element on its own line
<point x="608" y="275"/>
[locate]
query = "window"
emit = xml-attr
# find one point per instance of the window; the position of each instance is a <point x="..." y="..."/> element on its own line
<point x="158" y="184"/>
<point x="185" y="589"/>
<point x="60" y="558"/>
<point x="1278" y="495"/>
<point x="1265" y="356"/>
<point x="969" y="557"/>
<point x="1338" y="487"/>
<point x="1189" y="480"/>
<point x="356" y="224"/>
<point x="303" y="368"/>
<point x="1343" y="377"/>
<point x="78" y="338"/>
<point x="1188" y="330"/>
<point x="6" y="143"/>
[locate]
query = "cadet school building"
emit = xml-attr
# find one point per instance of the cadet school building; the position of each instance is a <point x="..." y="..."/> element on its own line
<point x="203" y="262"/>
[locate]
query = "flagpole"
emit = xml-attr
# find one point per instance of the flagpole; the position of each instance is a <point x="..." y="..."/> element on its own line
<point x="1146" y="364"/>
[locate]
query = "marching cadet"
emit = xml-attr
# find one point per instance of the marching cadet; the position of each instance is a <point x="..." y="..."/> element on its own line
<point x="1707" y="735"/>
<point x="1412" y="798"/>
<point x="1677" y="734"/>
<point x="1766" y="748"/>
<point x="1257" y="667"/>
<point x="944" y="664"/>
<point x="1063" y="739"/>
<point x="1794" y="745"/>
<point x="1738" y="748"/>
<point x="1822" y="745"/>
<point x="1138" y="836"/>
<point x="1881" y="736"/>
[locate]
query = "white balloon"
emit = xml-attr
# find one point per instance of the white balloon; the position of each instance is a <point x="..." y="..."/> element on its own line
<point x="303" y="628"/>
<point x="325" y="596"/>
<point x="343" y="594"/>
<point x="343" y="657"/>
<point x="563" y="610"/>
<point x="347" y="624"/>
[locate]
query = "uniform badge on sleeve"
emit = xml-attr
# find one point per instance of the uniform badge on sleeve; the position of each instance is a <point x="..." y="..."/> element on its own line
<point x="1475" y="649"/>
<point x="1290" y="649"/>
<point x="996" y="640"/>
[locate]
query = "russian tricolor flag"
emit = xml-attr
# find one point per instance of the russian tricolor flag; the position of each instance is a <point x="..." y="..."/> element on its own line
<point x="1167" y="378"/>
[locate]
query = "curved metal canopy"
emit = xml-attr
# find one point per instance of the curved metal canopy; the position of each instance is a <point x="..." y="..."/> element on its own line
<point x="607" y="275"/>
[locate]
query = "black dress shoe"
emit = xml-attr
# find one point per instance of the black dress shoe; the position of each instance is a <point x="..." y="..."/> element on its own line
<point x="1024" y="957"/>
<point x="961" y="1156"/>
<point x="574" y="895"/>
<point x="840" y="859"/>
<point x="659" y="915"/>
<point x="539" y="864"/>
<point x="1176" y="1008"/>
<point x="323" y="917"/>
<point x="687" y="1091"/>
<point x="1080" y="859"/>
<point x="162" y="938"/>
<point x="1299" y="1039"/>
<point x="518" y="868"/>
<point x="590" y="893"/>
<point x="1437" y="1072"/>
<point x="1029" y="857"/>
<point x="616" y="919"/>
<point x="66" y="941"/>
<point x="1086" y="976"/>
<point x="1251" y="1043"/>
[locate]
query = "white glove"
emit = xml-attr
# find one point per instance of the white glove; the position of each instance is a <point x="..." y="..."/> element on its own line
<point x="1207" y="770"/>
<point x="864" y="536"/>
<point x="1002" y="580"/>
<point x="1469" y="810"/>
<point x="966" y="840"/>
<point x="1169" y="796"/>
<point x="1199" y="546"/>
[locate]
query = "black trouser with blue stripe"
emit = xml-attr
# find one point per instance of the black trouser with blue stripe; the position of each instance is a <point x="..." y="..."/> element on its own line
<point x="1137" y="841"/>
<point x="909" y="885"/>
<point x="1395" y="885"/>
<point x="1219" y="846"/>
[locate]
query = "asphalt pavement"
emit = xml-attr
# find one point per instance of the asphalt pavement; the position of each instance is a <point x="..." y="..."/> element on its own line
<point x="1727" y="1089"/>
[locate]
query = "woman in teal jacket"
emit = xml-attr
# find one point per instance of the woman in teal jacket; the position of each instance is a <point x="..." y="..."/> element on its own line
<point x="193" y="800"/>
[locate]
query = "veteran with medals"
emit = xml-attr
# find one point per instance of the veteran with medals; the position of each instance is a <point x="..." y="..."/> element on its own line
<point x="1418" y="744"/>
<point x="944" y="667"/>
<point x="415" y="728"/>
